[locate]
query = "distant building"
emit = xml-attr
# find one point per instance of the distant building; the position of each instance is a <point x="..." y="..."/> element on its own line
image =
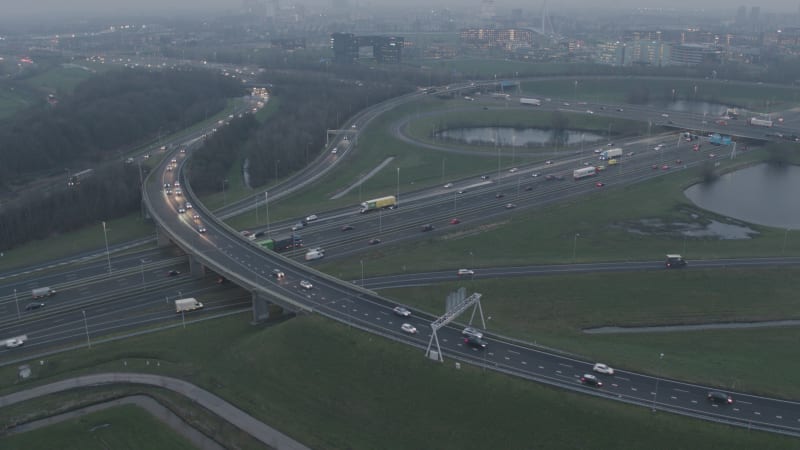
<point x="506" y="38"/>
<point x="347" y="48"/>
<point x="611" y="53"/>
<point x="692" y="54"/>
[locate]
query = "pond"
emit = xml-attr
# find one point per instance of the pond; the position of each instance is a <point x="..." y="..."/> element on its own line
<point x="711" y="109"/>
<point x="763" y="194"/>
<point x="516" y="137"/>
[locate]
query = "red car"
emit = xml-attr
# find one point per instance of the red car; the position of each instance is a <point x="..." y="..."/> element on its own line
<point x="599" y="184"/>
<point x="665" y="167"/>
<point x="454" y="221"/>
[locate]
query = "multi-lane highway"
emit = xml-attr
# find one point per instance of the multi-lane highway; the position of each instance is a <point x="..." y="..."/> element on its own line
<point x="91" y="302"/>
<point x="226" y="252"/>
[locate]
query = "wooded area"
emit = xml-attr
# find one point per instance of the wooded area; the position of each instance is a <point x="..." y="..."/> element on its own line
<point x="312" y="102"/>
<point x="107" y="114"/>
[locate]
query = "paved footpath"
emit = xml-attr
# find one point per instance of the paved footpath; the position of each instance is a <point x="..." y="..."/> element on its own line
<point x="213" y="403"/>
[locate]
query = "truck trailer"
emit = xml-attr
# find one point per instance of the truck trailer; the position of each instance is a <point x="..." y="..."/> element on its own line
<point x="282" y="244"/>
<point x="760" y="122"/>
<point x="610" y="153"/>
<point x="584" y="172"/>
<point x="530" y="101"/>
<point x="43" y="292"/>
<point x="187" y="304"/>
<point x="383" y="202"/>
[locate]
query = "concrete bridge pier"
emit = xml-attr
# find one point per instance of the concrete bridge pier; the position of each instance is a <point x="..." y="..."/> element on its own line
<point x="197" y="269"/>
<point x="263" y="309"/>
<point x="162" y="238"/>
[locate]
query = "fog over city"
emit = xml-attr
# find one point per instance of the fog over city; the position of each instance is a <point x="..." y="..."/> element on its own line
<point x="51" y="8"/>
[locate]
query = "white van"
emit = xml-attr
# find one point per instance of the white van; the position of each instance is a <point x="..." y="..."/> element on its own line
<point x="314" y="254"/>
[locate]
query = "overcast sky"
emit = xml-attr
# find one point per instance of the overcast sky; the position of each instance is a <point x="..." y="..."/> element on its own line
<point x="147" y="7"/>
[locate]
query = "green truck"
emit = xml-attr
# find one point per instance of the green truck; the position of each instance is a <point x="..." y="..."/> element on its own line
<point x="281" y="245"/>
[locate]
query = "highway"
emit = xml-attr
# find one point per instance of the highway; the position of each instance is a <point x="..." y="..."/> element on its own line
<point x="225" y="251"/>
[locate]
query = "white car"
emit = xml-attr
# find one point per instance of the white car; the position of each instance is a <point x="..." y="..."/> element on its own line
<point x="306" y="284"/>
<point x="12" y="343"/>
<point x="201" y="229"/>
<point x="474" y="332"/>
<point x="401" y="311"/>
<point x="466" y="272"/>
<point x="535" y="174"/>
<point x="448" y="185"/>
<point x="181" y="210"/>
<point x="665" y="115"/>
<point x="297" y="226"/>
<point x="335" y="150"/>
<point x="408" y="328"/>
<point x="311" y="218"/>
<point x="513" y="169"/>
<point x="188" y="205"/>
<point x="589" y="111"/>
<point x="602" y="368"/>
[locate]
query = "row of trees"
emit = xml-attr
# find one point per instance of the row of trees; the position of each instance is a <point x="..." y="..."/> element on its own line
<point x="107" y="114"/>
<point x="108" y="194"/>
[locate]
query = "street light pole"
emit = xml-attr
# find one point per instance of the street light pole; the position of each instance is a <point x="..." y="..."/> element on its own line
<point x="86" y="327"/>
<point x="398" y="187"/>
<point x="574" y="246"/>
<point x="266" y="201"/>
<point x="108" y="254"/>
<point x="16" y="300"/>
<point x="362" y="273"/>
<point x="142" y="261"/>
<point x="443" y="160"/>
<point x="655" y="394"/>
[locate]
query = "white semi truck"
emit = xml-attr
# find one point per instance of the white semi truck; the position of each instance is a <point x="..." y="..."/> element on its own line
<point x="187" y="304"/>
<point x="43" y="292"/>
<point x="530" y="101"/>
<point x="610" y="153"/>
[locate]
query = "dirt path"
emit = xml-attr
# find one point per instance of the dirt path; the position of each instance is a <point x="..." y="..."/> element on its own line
<point x="698" y="327"/>
<point x="247" y="423"/>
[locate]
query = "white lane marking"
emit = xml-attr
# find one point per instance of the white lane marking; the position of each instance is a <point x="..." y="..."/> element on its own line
<point x="681" y="390"/>
<point x="512" y="351"/>
<point x="744" y="402"/>
<point x="672" y="397"/>
<point x="623" y="378"/>
<point x="507" y="358"/>
<point x="541" y="367"/>
<point x="694" y="401"/>
<point x="524" y="362"/>
<point x="736" y="409"/>
<point x="779" y="417"/>
<point x="558" y="372"/>
<point x="634" y="389"/>
<point x="757" y="413"/>
<point x="564" y="365"/>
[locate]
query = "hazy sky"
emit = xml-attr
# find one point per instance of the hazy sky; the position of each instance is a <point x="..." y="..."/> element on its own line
<point x="117" y="7"/>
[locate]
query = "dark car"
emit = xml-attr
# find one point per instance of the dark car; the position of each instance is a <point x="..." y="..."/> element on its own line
<point x="499" y="195"/>
<point x="278" y="273"/>
<point x="529" y="188"/>
<point x="675" y="261"/>
<point x="476" y="342"/>
<point x="347" y="227"/>
<point x="719" y="397"/>
<point x="591" y="380"/>
<point x="374" y="241"/>
<point x="427" y="227"/>
<point x="173" y="273"/>
<point x="33" y="306"/>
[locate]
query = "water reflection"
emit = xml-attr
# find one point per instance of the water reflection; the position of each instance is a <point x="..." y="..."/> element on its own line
<point x="711" y="109"/>
<point x="764" y="194"/>
<point x="516" y="137"/>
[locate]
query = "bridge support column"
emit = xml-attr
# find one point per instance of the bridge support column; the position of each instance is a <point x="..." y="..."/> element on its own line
<point x="162" y="239"/>
<point x="264" y="310"/>
<point x="197" y="269"/>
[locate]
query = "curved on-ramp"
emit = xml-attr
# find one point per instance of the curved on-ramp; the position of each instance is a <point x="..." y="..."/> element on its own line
<point x="247" y="423"/>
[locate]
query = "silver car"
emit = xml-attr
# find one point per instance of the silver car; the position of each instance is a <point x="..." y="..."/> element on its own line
<point x="474" y="332"/>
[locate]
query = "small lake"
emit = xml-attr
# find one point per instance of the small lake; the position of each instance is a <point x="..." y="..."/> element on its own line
<point x="763" y="194"/>
<point x="516" y="137"/>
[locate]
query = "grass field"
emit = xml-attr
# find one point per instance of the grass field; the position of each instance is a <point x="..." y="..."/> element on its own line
<point x="616" y="90"/>
<point x="122" y="427"/>
<point x="553" y="311"/>
<point x="320" y="382"/>
<point x="62" y="79"/>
